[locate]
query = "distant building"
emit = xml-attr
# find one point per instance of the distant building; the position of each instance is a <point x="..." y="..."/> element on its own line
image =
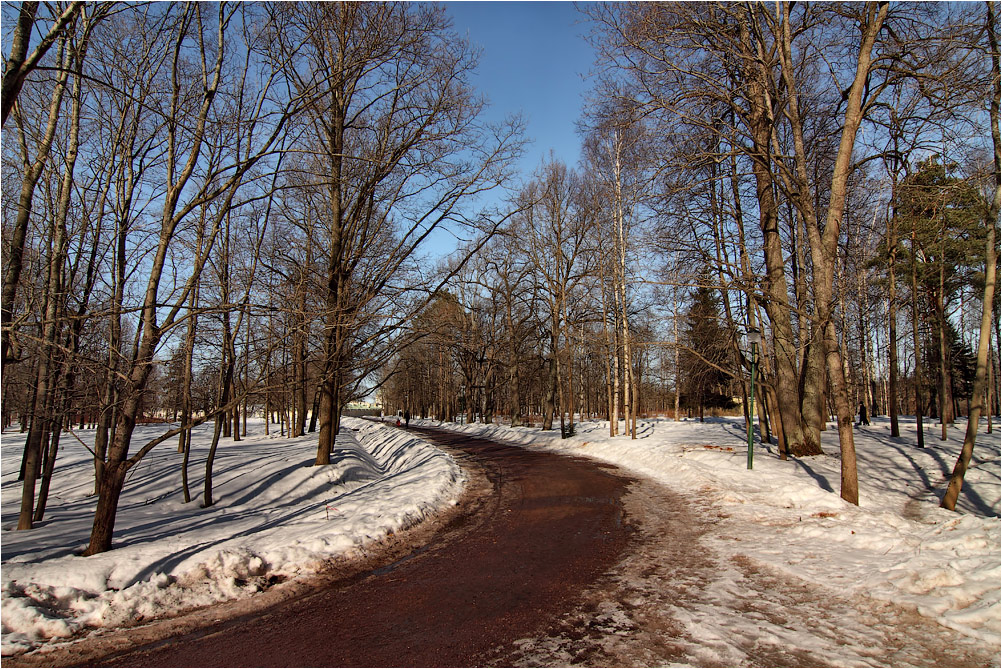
<point x="364" y="406"/>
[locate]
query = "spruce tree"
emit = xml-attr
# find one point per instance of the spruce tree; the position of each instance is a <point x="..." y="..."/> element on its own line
<point x="704" y="357"/>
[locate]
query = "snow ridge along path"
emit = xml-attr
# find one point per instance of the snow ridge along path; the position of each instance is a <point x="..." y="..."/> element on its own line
<point x="275" y="518"/>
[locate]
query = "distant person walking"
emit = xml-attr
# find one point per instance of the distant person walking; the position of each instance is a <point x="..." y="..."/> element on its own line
<point x="407" y="418"/>
<point x="863" y="420"/>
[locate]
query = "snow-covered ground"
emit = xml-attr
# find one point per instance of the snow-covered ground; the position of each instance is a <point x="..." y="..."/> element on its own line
<point x="896" y="546"/>
<point x="274" y="517"/>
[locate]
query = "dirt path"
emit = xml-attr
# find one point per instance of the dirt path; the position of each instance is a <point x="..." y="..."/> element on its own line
<point x="673" y="600"/>
<point x="548" y="561"/>
<point x="499" y="573"/>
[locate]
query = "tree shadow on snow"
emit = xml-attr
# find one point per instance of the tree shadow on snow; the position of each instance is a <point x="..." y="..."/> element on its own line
<point x="821" y="479"/>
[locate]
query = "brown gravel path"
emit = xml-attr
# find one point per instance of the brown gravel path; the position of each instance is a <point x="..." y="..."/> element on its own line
<point x="499" y="573"/>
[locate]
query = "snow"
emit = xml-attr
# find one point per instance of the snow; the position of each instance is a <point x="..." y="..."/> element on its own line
<point x="274" y="517"/>
<point x="277" y="517"/>
<point x="896" y="546"/>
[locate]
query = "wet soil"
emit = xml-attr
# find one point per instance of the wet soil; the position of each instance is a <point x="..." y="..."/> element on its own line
<point x="500" y="569"/>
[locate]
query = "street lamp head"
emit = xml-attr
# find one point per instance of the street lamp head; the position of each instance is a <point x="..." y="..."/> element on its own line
<point x="754" y="336"/>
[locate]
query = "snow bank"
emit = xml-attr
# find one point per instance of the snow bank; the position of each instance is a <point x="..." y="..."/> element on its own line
<point x="897" y="545"/>
<point x="274" y="517"/>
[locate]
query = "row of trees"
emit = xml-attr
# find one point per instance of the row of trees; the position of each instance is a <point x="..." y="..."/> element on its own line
<point x="827" y="174"/>
<point x="224" y="202"/>
<point x="546" y="322"/>
<point x="214" y="210"/>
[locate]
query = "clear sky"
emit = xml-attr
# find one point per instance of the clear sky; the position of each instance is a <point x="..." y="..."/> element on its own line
<point x="534" y="61"/>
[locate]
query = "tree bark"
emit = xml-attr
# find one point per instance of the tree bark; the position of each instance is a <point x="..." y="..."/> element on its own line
<point x="824" y="249"/>
<point x="991" y="268"/>
<point x="777" y="304"/>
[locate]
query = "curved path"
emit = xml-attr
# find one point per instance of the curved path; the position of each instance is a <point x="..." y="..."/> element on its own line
<point x="497" y="574"/>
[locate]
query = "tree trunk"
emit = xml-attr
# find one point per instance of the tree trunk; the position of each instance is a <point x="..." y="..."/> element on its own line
<point x="636" y="403"/>
<point x="945" y="410"/>
<point x="991" y="257"/>
<point x="48" y="367"/>
<point x="991" y="268"/>
<point x="210" y="458"/>
<point x="864" y="344"/>
<point x="812" y="398"/>
<point x="299" y="370"/>
<point x="786" y="386"/>
<point x="609" y="352"/>
<point x="550" y="392"/>
<point x="327" y="419"/>
<point x="236" y="415"/>
<point x="49" y="464"/>
<point x="112" y="483"/>
<point x="113" y="478"/>
<point x="990" y="391"/>
<point x="315" y="411"/>
<point x="775" y="285"/>
<point x="917" y="345"/>
<point x="678" y="358"/>
<point x="824" y="249"/>
<point x="31" y="174"/>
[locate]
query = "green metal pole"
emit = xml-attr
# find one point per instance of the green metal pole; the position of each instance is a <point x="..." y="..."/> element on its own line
<point x="751" y="405"/>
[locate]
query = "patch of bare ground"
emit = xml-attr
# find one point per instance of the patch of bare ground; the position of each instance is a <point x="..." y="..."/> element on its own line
<point x="672" y="601"/>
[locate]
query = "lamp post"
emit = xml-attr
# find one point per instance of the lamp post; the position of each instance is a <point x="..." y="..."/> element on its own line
<point x="754" y="338"/>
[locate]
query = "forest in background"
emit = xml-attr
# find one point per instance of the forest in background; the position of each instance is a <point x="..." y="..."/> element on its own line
<point x="212" y="211"/>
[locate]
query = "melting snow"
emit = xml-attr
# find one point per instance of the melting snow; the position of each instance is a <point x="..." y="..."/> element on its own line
<point x="275" y="516"/>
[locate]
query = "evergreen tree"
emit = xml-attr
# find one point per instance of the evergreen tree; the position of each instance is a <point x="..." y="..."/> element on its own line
<point x="944" y="213"/>
<point x="704" y="355"/>
<point x="961" y="366"/>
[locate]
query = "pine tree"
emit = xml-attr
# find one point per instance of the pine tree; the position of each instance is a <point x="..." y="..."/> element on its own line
<point x="945" y="214"/>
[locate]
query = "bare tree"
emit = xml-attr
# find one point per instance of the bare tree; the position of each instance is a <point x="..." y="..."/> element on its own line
<point x="32" y="168"/>
<point x="556" y="235"/>
<point x="196" y="170"/>
<point x="54" y="368"/>
<point x="991" y="266"/>
<point x="393" y="148"/>
<point x="616" y="152"/>
<point x="19" y="63"/>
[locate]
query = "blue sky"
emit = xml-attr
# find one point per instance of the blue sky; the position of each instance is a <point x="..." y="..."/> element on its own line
<point x="534" y="60"/>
